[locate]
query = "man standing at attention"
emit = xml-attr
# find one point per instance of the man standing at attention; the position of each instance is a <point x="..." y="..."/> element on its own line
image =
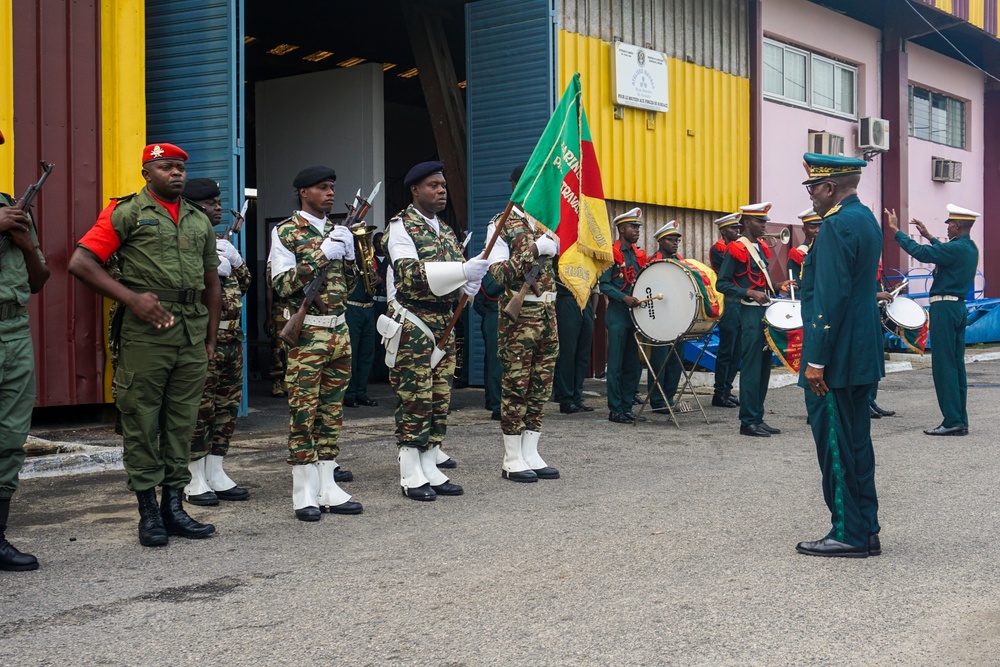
<point x="172" y="297"/>
<point x="727" y="359"/>
<point x="303" y="248"/>
<point x="22" y="273"/>
<point x="955" y="264"/>
<point x="842" y="354"/>
<point x="425" y="273"/>
<point x="624" y="368"/>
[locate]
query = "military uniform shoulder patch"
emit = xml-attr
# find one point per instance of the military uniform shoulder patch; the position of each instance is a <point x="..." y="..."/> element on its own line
<point x="124" y="198"/>
<point x="832" y="211"/>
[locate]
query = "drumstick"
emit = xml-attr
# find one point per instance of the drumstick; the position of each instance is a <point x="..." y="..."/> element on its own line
<point x="791" y="287"/>
<point x="652" y="298"/>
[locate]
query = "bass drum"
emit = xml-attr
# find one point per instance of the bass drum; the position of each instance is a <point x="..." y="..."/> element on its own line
<point x="679" y="313"/>
<point x="906" y="313"/>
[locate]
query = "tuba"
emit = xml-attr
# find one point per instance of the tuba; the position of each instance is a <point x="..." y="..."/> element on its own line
<point x="364" y="254"/>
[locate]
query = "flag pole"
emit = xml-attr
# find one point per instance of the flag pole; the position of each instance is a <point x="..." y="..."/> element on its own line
<point x="446" y="334"/>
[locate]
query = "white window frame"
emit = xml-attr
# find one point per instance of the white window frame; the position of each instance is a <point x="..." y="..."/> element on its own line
<point x="810" y="103"/>
<point x="911" y="129"/>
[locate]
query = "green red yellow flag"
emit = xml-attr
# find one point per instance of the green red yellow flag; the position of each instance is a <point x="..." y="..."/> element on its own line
<point x="561" y="188"/>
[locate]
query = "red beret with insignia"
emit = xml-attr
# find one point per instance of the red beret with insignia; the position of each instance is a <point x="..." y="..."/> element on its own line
<point x="163" y="152"/>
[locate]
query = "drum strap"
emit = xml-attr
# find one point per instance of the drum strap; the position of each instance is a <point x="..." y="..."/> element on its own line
<point x="752" y="249"/>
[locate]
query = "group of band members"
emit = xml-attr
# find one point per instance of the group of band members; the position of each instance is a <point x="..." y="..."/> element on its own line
<point x="180" y="284"/>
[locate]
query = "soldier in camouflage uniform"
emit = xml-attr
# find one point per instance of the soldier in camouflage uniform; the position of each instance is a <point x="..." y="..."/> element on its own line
<point x="220" y="401"/>
<point x="531" y="343"/>
<point x="273" y="323"/>
<point x="425" y="273"/>
<point x="319" y="364"/>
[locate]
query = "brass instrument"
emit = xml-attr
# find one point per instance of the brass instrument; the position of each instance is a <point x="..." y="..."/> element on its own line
<point x="783" y="237"/>
<point x="364" y="255"/>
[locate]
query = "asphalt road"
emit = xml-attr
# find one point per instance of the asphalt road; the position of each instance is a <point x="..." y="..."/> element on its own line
<point x="658" y="546"/>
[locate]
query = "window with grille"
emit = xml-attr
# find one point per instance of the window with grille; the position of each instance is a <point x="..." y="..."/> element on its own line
<point x="936" y="117"/>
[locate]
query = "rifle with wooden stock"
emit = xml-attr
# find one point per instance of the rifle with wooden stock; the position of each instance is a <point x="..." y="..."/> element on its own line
<point x="513" y="309"/>
<point x="293" y="327"/>
<point x="25" y="201"/>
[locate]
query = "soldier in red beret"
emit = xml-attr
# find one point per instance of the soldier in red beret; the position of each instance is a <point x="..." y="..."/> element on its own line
<point x="167" y="333"/>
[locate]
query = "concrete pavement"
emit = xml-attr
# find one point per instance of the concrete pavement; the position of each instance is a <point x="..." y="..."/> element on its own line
<point x="658" y="546"/>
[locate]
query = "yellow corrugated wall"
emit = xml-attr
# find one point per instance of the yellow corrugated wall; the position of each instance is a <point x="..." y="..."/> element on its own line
<point x="944" y="5"/>
<point x="697" y="155"/>
<point x="123" y="107"/>
<point x="7" y="96"/>
<point x="977" y="11"/>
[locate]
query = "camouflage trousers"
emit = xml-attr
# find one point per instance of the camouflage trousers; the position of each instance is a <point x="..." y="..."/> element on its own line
<point x="221" y="401"/>
<point x="113" y="349"/>
<point x="528" y="355"/>
<point x="278" y="365"/>
<point x="423" y="394"/>
<point x="319" y="368"/>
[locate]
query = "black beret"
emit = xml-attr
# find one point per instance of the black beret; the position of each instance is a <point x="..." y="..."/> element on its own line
<point x="314" y="175"/>
<point x="421" y="171"/>
<point x="515" y="175"/>
<point x="201" y="189"/>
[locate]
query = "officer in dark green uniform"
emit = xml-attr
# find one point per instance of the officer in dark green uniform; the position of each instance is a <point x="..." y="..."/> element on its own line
<point x="668" y="237"/>
<point x="22" y="273"/>
<point x="624" y="367"/>
<point x="842" y="354"/>
<point x="487" y="306"/>
<point x="361" y="324"/>
<point x="576" y="337"/>
<point x="727" y="357"/>
<point x="172" y="296"/>
<point x="955" y="264"/>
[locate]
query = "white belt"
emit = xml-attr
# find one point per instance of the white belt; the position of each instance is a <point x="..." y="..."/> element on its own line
<point x="327" y="321"/>
<point x="544" y="297"/>
<point x="229" y="325"/>
<point x="945" y="297"/>
<point x="380" y="299"/>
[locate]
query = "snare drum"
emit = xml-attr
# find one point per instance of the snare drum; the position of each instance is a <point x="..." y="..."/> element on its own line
<point x="906" y="313"/>
<point x="784" y="314"/>
<point x="679" y="313"/>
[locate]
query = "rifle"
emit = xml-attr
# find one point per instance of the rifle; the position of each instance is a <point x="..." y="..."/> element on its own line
<point x="24" y="203"/>
<point x="513" y="309"/>
<point x="240" y="217"/>
<point x="293" y="327"/>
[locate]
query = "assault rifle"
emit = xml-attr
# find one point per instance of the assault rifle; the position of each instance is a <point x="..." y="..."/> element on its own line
<point x="24" y="203"/>
<point x="293" y="327"/>
<point x="513" y="308"/>
<point x="240" y="217"/>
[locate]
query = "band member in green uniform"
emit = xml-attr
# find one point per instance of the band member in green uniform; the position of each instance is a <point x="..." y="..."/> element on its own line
<point x="811" y="221"/>
<point x="624" y="367"/>
<point x="668" y="238"/>
<point x="744" y="276"/>
<point x="955" y="264"/>
<point x="576" y="337"/>
<point x="364" y="340"/>
<point x="172" y="296"/>
<point x="486" y="305"/>
<point x="727" y="356"/>
<point x="22" y="273"/>
<point x="842" y="354"/>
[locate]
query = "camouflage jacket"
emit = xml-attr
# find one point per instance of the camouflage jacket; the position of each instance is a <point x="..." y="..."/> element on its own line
<point x="300" y="237"/>
<point x="410" y="276"/>
<point x="520" y="236"/>
<point x="233" y="289"/>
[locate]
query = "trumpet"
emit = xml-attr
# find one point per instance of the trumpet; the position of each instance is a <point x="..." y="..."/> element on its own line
<point x="783" y="237"/>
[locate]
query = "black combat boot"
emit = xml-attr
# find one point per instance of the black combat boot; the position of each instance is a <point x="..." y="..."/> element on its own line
<point x="151" y="530"/>
<point x="11" y="559"/>
<point x="177" y="521"/>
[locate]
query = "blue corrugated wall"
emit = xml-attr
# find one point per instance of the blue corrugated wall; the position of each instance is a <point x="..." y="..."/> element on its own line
<point x="510" y="46"/>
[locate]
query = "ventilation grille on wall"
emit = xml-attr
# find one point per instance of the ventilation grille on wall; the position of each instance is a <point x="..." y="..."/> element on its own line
<point x="948" y="171"/>
<point x="826" y="143"/>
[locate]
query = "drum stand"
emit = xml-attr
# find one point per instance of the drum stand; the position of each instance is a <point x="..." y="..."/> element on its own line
<point x="687" y="376"/>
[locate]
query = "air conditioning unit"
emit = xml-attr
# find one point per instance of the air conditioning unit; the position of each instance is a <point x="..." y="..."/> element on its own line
<point x="948" y="171"/>
<point x="873" y="134"/>
<point x="826" y="143"/>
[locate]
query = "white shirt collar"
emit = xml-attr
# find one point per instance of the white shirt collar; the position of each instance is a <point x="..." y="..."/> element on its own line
<point x="318" y="223"/>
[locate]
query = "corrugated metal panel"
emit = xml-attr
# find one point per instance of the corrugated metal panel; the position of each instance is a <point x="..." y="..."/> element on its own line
<point x="976" y="13"/>
<point x="509" y="51"/>
<point x="697" y="228"/>
<point x="696" y="156"/>
<point x="944" y="5"/>
<point x="57" y="116"/>
<point x="710" y="33"/>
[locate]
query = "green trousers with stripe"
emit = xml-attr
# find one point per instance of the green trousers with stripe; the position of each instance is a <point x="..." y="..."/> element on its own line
<point x="948" y="320"/>
<point x="841" y="427"/>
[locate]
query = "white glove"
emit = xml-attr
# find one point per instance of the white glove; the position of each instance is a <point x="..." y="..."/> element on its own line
<point x="546" y="247"/>
<point x="475" y="269"/>
<point x="229" y="251"/>
<point x="343" y="235"/>
<point x="471" y="288"/>
<point x="225" y="268"/>
<point x="333" y="249"/>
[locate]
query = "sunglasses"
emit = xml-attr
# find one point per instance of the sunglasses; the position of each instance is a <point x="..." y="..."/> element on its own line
<point x="809" y="188"/>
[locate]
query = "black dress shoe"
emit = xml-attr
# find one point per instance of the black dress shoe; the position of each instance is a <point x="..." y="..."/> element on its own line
<point x="634" y="417"/>
<point x="873" y="413"/>
<point x="341" y="475"/>
<point x="947" y="430"/>
<point x="548" y="472"/>
<point x="423" y="492"/>
<point x="874" y="545"/>
<point x="235" y="493"/>
<point x="732" y="399"/>
<point x="754" y="430"/>
<point x="176" y="520"/>
<point x="448" y="463"/>
<point x="207" y="499"/>
<point x="584" y="408"/>
<point x="495" y="416"/>
<point x="570" y="409"/>
<point x="723" y="402"/>
<point x="619" y="418"/>
<point x="882" y="411"/>
<point x="769" y="429"/>
<point x="448" y="489"/>
<point x="524" y="476"/>
<point x="831" y="549"/>
<point x="367" y="402"/>
<point x="343" y="508"/>
<point x="12" y="560"/>
<point x="636" y="400"/>
<point x="350" y="403"/>
<point x="308" y="514"/>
